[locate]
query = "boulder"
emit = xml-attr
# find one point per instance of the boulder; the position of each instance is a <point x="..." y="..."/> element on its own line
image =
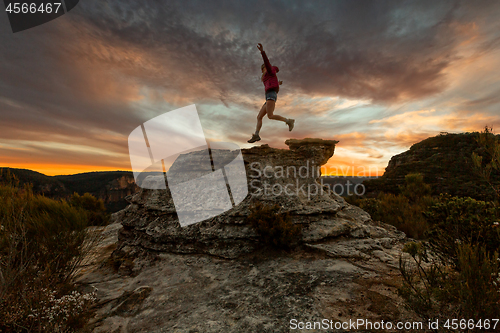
<point x="285" y="177"/>
<point x="216" y="276"/>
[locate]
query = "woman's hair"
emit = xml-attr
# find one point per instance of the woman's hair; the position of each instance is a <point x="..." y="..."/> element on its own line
<point x="263" y="66"/>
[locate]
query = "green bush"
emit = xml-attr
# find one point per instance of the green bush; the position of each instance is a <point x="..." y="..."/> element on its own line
<point x="405" y="210"/>
<point x="42" y="243"/>
<point x="487" y="162"/>
<point x="462" y="279"/>
<point x="455" y="220"/>
<point x="94" y="207"/>
<point x="415" y="189"/>
<point x="275" y="228"/>
<point x="470" y="290"/>
<point x="476" y="288"/>
<point x="421" y="285"/>
<point x="398" y="211"/>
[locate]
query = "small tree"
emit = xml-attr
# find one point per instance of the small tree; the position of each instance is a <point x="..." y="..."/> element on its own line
<point x="483" y="167"/>
<point x="95" y="209"/>
<point x="415" y="189"/>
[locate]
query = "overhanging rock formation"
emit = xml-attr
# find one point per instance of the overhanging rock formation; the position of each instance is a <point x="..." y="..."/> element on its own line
<point x="344" y="269"/>
<point x="287" y="177"/>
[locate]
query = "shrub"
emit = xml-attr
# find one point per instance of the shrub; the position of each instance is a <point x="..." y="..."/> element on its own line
<point x="420" y="285"/>
<point x="275" y="228"/>
<point x="462" y="280"/>
<point x="488" y="161"/>
<point x="470" y="290"/>
<point x="476" y="289"/>
<point x="415" y="189"/>
<point x="8" y="179"/>
<point x="96" y="211"/>
<point x="398" y="211"/>
<point x="67" y="310"/>
<point x="42" y="243"/>
<point x="370" y="205"/>
<point x="405" y="210"/>
<point x="455" y="220"/>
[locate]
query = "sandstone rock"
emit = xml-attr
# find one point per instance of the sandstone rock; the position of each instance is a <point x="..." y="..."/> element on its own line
<point x="288" y="178"/>
<point x="215" y="276"/>
<point x="263" y="291"/>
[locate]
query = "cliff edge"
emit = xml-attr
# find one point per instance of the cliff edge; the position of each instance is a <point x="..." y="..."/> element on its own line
<point x="216" y="276"/>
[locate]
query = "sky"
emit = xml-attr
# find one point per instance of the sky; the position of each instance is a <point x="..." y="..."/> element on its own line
<point x="378" y="76"/>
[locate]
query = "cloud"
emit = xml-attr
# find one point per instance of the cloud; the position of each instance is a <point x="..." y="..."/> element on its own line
<point x="420" y="117"/>
<point x="383" y="52"/>
<point x="366" y="74"/>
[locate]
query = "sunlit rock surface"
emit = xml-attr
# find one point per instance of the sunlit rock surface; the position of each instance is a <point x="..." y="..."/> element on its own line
<point x="215" y="276"/>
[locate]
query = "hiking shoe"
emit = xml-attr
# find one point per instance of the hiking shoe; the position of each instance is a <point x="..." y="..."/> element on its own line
<point x="254" y="138"/>
<point x="290" y="123"/>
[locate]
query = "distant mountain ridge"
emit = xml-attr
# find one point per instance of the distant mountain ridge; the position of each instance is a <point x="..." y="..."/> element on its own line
<point x="346" y="185"/>
<point x="113" y="186"/>
<point x="110" y="186"/>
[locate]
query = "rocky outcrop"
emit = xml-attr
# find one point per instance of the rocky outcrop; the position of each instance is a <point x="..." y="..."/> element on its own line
<point x="286" y="177"/>
<point x="264" y="291"/>
<point x="215" y="276"/>
<point x="444" y="161"/>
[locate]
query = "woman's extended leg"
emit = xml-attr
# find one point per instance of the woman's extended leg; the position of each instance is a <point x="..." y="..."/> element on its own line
<point x="262" y="113"/>
<point x="260" y="116"/>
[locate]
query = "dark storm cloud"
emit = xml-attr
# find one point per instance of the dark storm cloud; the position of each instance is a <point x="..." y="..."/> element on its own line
<point x="205" y="50"/>
<point x="384" y="51"/>
<point x="42" y="90"/>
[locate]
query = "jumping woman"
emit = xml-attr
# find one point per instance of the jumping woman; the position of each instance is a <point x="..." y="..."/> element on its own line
<point x="272" y="87"/>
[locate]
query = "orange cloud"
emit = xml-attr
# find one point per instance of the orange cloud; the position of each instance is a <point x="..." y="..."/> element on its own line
<point x="351" y="166"/>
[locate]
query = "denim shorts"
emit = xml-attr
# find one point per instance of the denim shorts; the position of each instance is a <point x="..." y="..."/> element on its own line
<point x="272" y="95"/>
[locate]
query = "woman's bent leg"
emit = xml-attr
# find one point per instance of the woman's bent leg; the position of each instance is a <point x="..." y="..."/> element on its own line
<point x="270" y="104"/>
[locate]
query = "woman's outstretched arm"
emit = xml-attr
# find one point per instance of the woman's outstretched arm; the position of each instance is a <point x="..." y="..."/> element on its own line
<point x="264" y="56"/>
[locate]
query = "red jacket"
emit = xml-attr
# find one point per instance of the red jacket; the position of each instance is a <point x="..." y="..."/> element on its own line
<point x="270" y="79"/>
